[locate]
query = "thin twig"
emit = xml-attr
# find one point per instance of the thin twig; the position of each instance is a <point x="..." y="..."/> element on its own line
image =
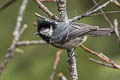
<point x="101" y="56"/>
<point x="62" y="10"/>
<point x="43" y="17"/>
<point x="40" y="16"/>
<point x="29" y="43"/>
<point x="16" y="35"/>
<point x="61" y="76"/>
<point x="72" y="64"/>
<point x="105" y="16"/>
<point x="95" y="6"/>
<point x="59" y="52"/>
<point x="34" y="23"/>
<point x="116" y="2"/>
<point x="101" y="63"/>
<point x="116" y="28"/>
<point x="109" y="12"/>
<point x="23" y="29"/>
<point x="47" y="11"/>
<point x="90" y="12"/>
<point x="5" y="5"/>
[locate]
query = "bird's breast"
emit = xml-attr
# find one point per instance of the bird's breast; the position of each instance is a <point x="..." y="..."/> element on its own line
<point x="72" y="43"/>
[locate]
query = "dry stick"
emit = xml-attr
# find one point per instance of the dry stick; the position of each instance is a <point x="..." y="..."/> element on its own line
<point x="59" y="52"/>
<point x="116" y="2"/>
<point x="62" y="10"/>
<point x="61" y="76"/>
<point x="72" y="64"/>
<point x="23" y="29"/>
<point x="40" y="16"/>
<point x="102" y="63"/>
<point x="43" y="17"/>
<point x="101" y="56"/>
<point x="16" y="35"/>
<point x="29" y="43"/>
<point x="48" y="12"/>
<point x="90" y="12"/>
<point x="95" y="6"/>
<point x="34" y="23"/>
<point x="71" y="54"/>
<point x="105" y="16"/>
<point x="109" y="12"/>
<point x="116" y="28"/>
<point x="5" y="5"/>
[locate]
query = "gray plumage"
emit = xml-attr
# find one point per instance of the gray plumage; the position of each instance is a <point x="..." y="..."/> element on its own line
<point x="78" y="33"/>
<point x="68" y="35"/>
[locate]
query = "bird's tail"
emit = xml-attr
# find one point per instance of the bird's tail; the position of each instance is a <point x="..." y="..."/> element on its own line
<point x="101" y="32"/>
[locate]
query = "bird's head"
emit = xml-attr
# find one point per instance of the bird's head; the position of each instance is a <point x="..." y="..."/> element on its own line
<point x="45" y="28"/>
<point x="52" y="31"/>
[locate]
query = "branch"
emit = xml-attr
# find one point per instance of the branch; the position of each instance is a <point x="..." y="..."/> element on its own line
<point x="29" y="43"/>
<point x="109" y="12"/>
<point x="61" y="77"/>
<point x="5" y="5"/>
<point x="105" y="16"/>
<point x="116" y="28"/>
<point x="47" y="11"/>
<point x="101" y="56"/>
<point x="59" y="52"/>
<point x="116" y="2"/>
<point x="72" y="64"/>
<point x="16" y="35"/>
<point x="44" y="18"/>
<point x="23" y="29"/>
<point x="101" y="63"/>
<point x="90" y="12"/>
<point x="62" y="10"/>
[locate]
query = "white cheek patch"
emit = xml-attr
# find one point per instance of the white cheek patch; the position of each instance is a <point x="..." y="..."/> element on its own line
<point x="47" y="32"/>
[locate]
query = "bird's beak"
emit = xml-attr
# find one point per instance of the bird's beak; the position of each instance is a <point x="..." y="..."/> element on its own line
<point x="36" y="33"/>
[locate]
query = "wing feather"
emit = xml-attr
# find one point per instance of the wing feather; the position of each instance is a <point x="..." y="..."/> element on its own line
<point x="79" y="29"/>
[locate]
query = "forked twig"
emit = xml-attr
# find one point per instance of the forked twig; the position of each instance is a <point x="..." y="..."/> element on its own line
<point x="102" y="63"/>
<point x="101" y="56"/>
<point x="16" y="35"/>
<point x="105" y="16"/>
<point x="109" y="12"/>
<point x="90" y="12"/>
<point x="47" y="11"/>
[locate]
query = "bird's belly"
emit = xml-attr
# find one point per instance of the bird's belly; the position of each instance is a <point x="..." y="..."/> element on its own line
<point x="72" y="43"/>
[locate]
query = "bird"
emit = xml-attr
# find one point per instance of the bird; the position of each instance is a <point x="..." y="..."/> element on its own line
<point x="64" y="35"/>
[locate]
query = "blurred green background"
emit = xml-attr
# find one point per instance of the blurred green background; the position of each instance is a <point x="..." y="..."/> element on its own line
<point x="37" y="61"/>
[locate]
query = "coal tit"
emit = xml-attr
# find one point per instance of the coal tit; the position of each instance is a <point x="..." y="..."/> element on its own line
<point x="67" y="35"/>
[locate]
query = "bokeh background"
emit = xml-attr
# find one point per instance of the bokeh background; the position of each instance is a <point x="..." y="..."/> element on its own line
<point x="36" y="62"/>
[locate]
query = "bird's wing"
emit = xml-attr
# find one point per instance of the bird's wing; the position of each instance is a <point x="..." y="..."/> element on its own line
<point x="80" y="29"/>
